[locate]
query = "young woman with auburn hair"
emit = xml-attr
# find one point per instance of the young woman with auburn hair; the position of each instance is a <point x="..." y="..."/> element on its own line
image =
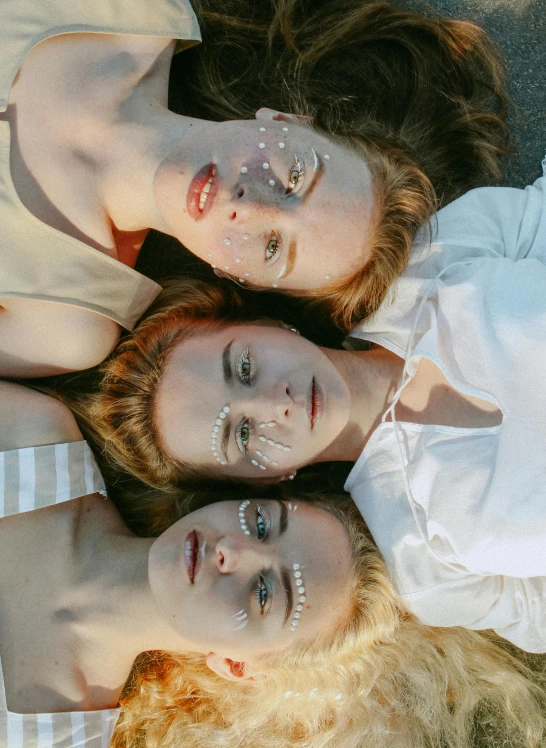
<point x="262" y="622"/>
<point x="94" y="157"/>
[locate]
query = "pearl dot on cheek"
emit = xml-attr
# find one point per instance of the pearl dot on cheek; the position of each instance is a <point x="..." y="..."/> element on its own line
<point x="261" y="145"/>
<point x="281" y="145"/>
<point x="326" y="157"/>
<point x="271" y="183"/>
<point x="237" y="259"/>
<point x="285" y="129"/>
<point x="262" y="129"/>
<point x="299" y="608"/>
<point x="244" y="169"/>
<point x="265" y="165"/>
<point x="327" y="276"/>
<point x="245" y="237"/>
<point x="227" y="241"/>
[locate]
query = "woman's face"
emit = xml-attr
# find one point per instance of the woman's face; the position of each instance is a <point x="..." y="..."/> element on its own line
<point x="250" y="401"/>
<point x="251" y="577"/>
<point x="271" y="203"/>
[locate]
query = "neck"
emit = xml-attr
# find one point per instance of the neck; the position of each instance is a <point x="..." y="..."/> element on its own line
<point x="372" y="378"/>
<point x="110" y="598"/>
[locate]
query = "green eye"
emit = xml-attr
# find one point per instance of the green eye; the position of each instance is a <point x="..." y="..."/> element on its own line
<point x="246" y="367"/>
<point x="243" y="432"/>
<point x="296" y="176"/>
<point x="273" y="248"/>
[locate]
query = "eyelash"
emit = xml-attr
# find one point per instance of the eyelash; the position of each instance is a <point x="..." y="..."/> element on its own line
<point x="263" y="514"/>
<point x="297" y="169"/>
<point x="272" y="254"/>
<point x="242" y="443"/>
<point x="261" y="587"/>
<point x="246" y="357"/>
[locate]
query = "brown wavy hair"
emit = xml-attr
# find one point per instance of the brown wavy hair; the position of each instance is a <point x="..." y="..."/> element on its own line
<point x="380" y="680"/>
<point x="421" y="97"/>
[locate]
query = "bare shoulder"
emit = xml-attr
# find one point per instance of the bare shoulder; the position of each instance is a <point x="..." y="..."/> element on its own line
<point x="42" y="338"/>
<point x="32" y="419"/>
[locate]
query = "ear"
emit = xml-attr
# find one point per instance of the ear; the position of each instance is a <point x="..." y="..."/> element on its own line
<point x="272" y="114"/>
<point x="229" y="669"/>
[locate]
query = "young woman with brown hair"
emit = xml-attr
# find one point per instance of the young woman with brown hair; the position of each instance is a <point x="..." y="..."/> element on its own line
<point x="93" y="157"/>
<point x="263" y="622"/>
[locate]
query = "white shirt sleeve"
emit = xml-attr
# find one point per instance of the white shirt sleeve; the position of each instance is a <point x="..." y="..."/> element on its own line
<point x="494" y="221"/>
<point x="514" y="608"/>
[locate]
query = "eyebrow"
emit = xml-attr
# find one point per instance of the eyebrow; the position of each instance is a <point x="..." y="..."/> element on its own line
<point x="292" y="247"/>
<point x="287" y="585"/>
<point x="283" y="521"/>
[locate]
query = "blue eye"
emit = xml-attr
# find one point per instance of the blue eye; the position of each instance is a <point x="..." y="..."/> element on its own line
<point x="246" y="367"/>
<point x="263" y="522"/>
<point x="261" y="594"/>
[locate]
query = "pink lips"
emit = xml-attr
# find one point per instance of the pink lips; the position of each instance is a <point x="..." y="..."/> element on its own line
<point x="316" y="403"/>
<point x="196" y="188"/>
<point x="193" y="553"/>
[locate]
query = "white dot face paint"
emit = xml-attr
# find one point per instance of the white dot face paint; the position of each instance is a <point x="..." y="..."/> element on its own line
<point x="241" y="618"/>
<point x="326" y="157"/>
<point x="285" y="129"/>
<point x="261" y="145"/>
<point x="271" y="183"/>
<point x="265" y="165"/>
<point x="262" y="129"/>
<point x="281" y="145"/>
<point x="244" y="169"/>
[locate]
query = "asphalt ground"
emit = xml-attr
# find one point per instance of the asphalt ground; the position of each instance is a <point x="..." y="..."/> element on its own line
<point x="519" y="29"/>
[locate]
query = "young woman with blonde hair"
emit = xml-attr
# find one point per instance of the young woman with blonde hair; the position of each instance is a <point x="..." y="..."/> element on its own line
<point x="93" y="158"/>
<point x="263" y="622"/>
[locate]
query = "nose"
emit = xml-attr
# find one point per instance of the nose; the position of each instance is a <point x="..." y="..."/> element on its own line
<point x="271" y="402"/>
<point x="254" y="199"/>
<point x="235" y="552"/>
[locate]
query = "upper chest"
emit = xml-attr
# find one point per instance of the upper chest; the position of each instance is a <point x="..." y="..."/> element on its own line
<point x="38" y="659"/>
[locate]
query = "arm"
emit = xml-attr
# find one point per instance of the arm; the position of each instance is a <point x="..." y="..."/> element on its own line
<point x="42" y="338"/>
<point x="494" y="222"/>
<point x="514" y="608"/>
<point x="31" y="419"/>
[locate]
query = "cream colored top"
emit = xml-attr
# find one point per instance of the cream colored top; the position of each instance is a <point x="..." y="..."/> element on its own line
<point x="30" y="479"/>
<point x="36" y="260"/>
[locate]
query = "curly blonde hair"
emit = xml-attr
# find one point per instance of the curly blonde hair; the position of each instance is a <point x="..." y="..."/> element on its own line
<point x="380" y="680"/>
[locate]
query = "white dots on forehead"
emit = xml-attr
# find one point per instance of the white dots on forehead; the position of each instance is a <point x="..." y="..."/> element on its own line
<point x="265" y="165"/>
<point x="262" y="129"/>
<point x="261" y="145"/>
<point x="244" y="169"/>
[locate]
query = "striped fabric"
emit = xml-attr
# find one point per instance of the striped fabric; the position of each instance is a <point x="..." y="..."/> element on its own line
<point x="30" y="479"/>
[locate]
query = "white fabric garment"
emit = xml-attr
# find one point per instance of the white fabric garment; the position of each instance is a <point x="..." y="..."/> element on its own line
<point x="460" y="514"/>
<point x="31" y="479"/>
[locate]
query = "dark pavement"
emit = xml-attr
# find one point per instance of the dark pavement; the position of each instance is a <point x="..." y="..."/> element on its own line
<point x="519" y="28"/>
